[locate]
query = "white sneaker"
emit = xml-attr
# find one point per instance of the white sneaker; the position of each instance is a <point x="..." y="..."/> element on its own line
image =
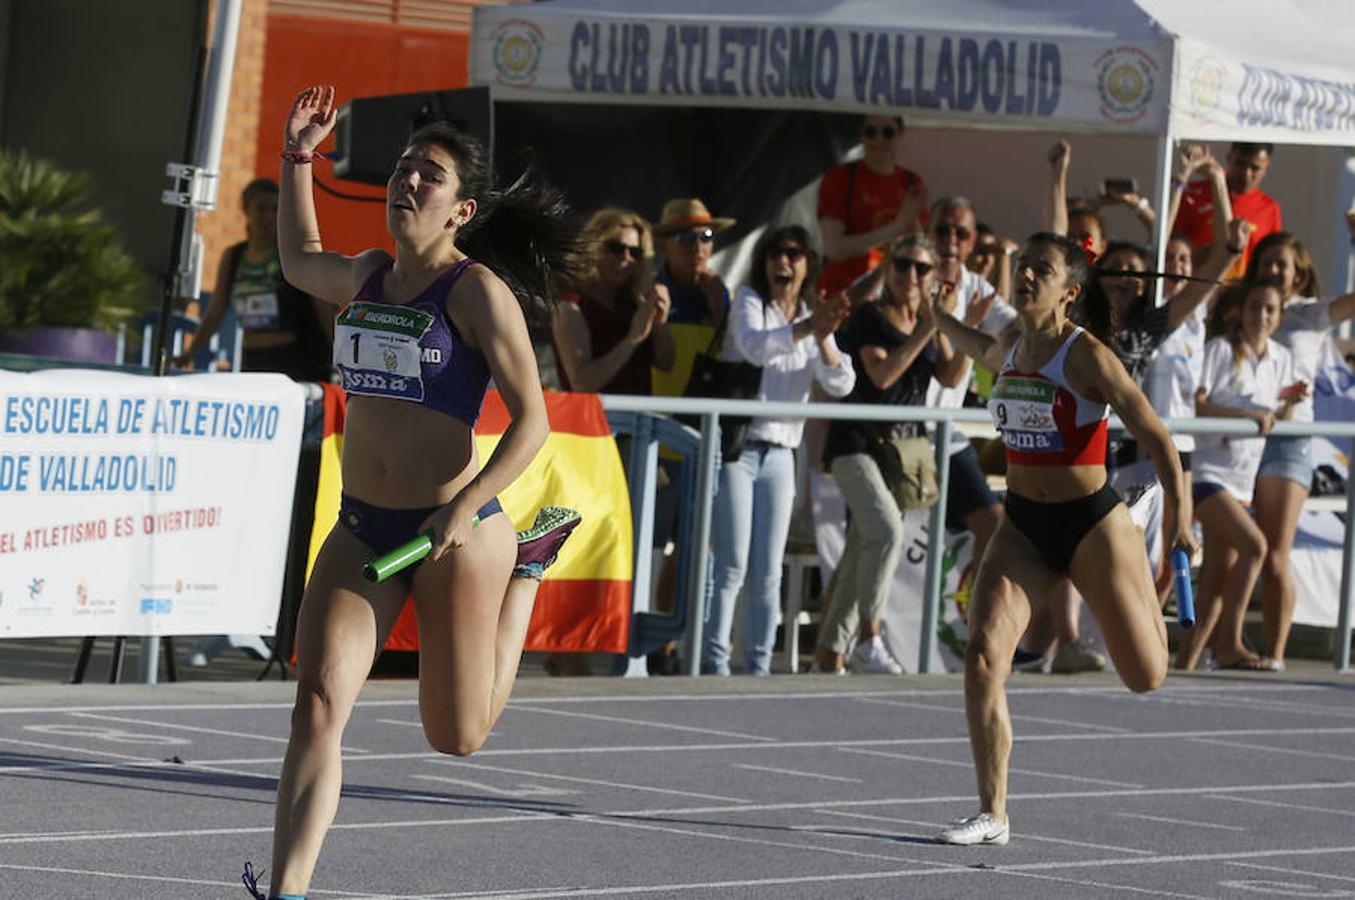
<point x="985" y="828"/>
<point x="872" y="657"/>
<point x="1077" y="656"/>
<point x="817" y="669"/>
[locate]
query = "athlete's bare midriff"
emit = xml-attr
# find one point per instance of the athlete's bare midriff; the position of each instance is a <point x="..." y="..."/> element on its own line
<point x="402" y="455"/>
<point x="1055" y="484"/>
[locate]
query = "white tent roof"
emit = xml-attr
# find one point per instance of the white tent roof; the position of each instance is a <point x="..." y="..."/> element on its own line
<point x="1239" y="69"/>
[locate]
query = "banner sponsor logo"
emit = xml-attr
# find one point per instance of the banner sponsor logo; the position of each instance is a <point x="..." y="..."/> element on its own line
<point x="1125" y="81"/>
<point x="517" y="52"/>
<point x="1205" y="90"/>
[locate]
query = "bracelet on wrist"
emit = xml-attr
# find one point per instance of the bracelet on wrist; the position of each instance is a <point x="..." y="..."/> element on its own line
<point x="298" y="157"/>
<point x="1178" y="184"/>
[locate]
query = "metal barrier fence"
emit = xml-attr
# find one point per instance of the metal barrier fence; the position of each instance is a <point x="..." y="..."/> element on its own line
<point x="691" y="597"/>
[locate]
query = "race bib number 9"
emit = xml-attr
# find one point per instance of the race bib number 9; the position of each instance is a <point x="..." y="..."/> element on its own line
<point x="376" y="350"/>
<point x="1023" y="410"/>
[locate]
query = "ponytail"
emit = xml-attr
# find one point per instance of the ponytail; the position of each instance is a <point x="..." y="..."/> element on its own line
<point x="521" y="232"/>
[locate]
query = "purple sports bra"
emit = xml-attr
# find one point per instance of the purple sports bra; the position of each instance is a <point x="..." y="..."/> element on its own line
<point x="410" y="351"/>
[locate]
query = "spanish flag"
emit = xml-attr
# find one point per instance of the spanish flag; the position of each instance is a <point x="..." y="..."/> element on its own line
<point x="584" y="601"/>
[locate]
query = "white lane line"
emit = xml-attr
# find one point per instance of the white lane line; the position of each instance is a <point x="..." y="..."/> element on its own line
<point x="1190" y="822"/>
<point x="969" y="765"/>
<point x="1313" y="754"/>
<point x="772" y="744"/>
<point x="1015" y="717"/>
<point x="158" y="877"/>
<point x="1292" y="871"/>
<point x="197" y="729"/>
<point x="817" y="805"/>
<point x="1106" y="885"/>
<point x="1107" y="690"/>
<point x="1299" y="806"/>
<point x="461" y="764"/>
<point x="525" y="791"/>
<point x="797" y="773"/>
<point x="1297" y="709"/>
<point x="666" y="726"/>
<point x="129" y="762"/>
<point x="896" y="874"/>
<point x="1022" y="835"/>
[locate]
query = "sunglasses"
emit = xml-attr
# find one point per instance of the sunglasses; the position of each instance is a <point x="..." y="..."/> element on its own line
<point x="617" y="248"/>
<point x="888" y="132"/>
<point x="704" y="235"/>
<point x="945" y="230"/>
<point x="789" y="251"/>
<point x="903" y="264"/>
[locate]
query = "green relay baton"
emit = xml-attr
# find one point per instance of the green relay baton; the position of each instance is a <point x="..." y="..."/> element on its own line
<point x="403" y="556"/>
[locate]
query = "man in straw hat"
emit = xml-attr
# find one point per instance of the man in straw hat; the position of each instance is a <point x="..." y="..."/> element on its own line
<point x="686" y="236"/>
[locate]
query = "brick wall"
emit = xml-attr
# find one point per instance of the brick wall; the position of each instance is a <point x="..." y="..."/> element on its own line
<point x="225" y="225"/>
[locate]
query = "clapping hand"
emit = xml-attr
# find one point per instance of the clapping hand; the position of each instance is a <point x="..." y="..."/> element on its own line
<point x="977" y="311"/>
<point x="828" y="313"/>
<point x="311" y="119"/>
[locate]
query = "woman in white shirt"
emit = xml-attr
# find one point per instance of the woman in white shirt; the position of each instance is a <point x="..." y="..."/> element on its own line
<point x="1287" y="465"/>
<point x="776" y="323"/>
<point x="1245" y="375"/>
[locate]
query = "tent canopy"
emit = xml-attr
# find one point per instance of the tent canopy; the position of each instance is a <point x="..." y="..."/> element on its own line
<point x="1210" y="69"/>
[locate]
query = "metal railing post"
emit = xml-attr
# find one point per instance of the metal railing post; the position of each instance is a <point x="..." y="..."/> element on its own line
<point x="705" y="502"/>
<point x="1347" y="578"/>
<point x="936" y="550"/>
<point x="644" y="465"/>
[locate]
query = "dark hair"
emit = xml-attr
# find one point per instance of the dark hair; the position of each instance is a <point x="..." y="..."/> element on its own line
<point x="520" y="232"/>
<point x="1095" y="303"/>
<point x="1245" y="148"/>
<point x="1307" y="283"/>
<point x="757" y="278"/>
<point x="1080" y="208"/>
<point x="255" y="187"/>
<point x="1074" y="257"/>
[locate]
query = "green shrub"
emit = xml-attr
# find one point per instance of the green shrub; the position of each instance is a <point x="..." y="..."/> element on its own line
<point x="60" y="262"/>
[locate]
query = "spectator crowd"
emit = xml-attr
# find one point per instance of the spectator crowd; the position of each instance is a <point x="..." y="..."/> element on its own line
<point x="845" y="308"/>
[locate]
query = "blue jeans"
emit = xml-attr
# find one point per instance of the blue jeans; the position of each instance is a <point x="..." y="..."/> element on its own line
<point x="752" y="519"/>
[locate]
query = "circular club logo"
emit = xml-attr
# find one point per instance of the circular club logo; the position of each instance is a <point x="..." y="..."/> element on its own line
<point x="1125" y="79"/>
<point x="1206" y="87"/>
<point x="517" y="51"/>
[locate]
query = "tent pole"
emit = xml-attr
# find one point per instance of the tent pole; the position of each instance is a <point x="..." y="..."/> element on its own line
<point x="1162" y="233"/>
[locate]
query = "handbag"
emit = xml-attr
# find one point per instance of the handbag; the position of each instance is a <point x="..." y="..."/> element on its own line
<point x="714" y="377"/>
<point x="908" y="466"/>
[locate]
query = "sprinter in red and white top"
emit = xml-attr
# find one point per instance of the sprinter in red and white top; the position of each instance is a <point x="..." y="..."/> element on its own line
<point x="1050" y="401"/>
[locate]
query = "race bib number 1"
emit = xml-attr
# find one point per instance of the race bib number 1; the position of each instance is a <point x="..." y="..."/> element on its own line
<point x="376" y="350"/>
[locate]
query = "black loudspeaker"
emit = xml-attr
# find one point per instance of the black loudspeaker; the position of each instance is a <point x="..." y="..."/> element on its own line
<point x="370" y="132"/>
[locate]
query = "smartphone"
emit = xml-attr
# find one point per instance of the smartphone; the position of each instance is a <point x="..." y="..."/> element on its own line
<point x="1115" y="186"/>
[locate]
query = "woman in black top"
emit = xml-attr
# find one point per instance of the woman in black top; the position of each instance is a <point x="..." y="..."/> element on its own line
<point x="896" y="351"/>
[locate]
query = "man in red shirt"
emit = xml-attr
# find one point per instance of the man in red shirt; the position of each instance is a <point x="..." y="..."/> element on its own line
<point x="863" y="205"/>
<point x="1246" y="169"/>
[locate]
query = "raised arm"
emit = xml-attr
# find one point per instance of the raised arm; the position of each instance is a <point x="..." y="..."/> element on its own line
<point x="1056" y="198"/>
<point x="305" y="263"/>
<point x="1230" y="243"/>
<point x="1343" y="307"/>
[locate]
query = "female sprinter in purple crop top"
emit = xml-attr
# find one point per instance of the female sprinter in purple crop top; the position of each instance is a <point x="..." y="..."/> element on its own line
<point x="416" y="346"/>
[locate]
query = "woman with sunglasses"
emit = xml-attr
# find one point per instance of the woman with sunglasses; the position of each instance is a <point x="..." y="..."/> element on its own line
<point x="895" y="350"/>
<point x="781" y="323"/>
<point x="1286" y="472"/>
<point x="608" y="330"/>
<point x="1056" y="385"/>
<point x="865" y="204"/>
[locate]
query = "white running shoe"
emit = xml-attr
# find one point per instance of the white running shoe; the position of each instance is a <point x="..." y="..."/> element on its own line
<point x="985" y="828"/>
<point x="872" y="657"/>
<point x="1077" y="656"/>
